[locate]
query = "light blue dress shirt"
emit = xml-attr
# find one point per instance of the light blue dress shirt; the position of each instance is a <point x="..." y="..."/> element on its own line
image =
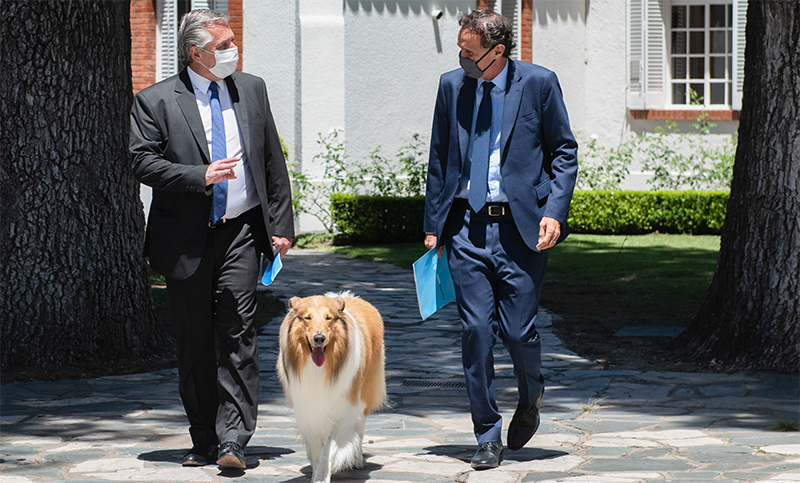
<point x="496" y="192"/>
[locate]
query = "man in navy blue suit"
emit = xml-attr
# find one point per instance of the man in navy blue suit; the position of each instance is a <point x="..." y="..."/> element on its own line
<point x="501" y="173"/>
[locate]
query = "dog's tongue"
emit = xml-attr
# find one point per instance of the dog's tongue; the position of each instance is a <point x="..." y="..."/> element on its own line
<point x="318" y="356"/>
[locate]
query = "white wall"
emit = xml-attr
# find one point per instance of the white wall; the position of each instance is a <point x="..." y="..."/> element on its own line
<point x="394" y="54"/>
<point x="368" y="67"/>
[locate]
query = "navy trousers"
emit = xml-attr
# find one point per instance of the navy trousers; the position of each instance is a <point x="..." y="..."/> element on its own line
<point x="497" y="281"/>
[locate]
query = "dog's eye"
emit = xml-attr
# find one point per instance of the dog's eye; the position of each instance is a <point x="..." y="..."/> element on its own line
<point x="328" y="317"/>
<point x="308" y="317"/>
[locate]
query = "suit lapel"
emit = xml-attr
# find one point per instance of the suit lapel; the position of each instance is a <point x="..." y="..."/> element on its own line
<point x="465" y="105"/>
<point x="510" y="106"/>
<point x="188" y="104"/>
<point x="240" y="108"/>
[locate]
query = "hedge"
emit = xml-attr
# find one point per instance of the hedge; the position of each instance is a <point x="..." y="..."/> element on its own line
<point x="638" y="212"/>
<point x="377" y="219"/>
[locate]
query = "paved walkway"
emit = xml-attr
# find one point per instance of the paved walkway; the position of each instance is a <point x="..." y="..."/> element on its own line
<point x="599" y="426"/>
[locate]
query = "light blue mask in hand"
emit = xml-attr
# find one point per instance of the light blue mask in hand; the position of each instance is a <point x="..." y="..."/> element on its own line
<point x="271" y="270"/>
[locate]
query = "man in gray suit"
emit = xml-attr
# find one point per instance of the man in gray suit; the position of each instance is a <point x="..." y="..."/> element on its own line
<point x="206" y="142"/>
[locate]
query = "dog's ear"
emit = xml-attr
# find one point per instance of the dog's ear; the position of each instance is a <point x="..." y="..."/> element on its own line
<point x="339" y="303"/>
<point x="293" y="302"/>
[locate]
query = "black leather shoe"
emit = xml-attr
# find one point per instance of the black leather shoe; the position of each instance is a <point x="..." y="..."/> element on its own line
<point x="200" y="455"/>
<point x="489" y="455"/>
<point x="231" y="455"/>
<point x="524" y="424"/>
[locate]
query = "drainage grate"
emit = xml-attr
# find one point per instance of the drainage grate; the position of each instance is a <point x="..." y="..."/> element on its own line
<point x="417" y="383"/>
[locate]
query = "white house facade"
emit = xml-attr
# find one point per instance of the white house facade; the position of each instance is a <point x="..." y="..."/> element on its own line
<point x="371" y="67"/>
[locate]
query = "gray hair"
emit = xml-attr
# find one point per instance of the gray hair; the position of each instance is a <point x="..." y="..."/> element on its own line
<point x="194" y="31"/>
<point x="492" y="27"/>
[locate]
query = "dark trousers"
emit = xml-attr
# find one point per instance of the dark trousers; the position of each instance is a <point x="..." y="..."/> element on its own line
<point x="497" y="281"/>
<point x="214" y="318"/>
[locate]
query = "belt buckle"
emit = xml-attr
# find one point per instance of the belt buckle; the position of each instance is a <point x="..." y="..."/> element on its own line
<point x="496" y="210"/>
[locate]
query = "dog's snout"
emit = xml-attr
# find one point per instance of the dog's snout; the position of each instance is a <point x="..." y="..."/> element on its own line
<point x="319" y="339"/>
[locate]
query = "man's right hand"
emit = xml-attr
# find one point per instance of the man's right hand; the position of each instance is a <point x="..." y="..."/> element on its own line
<point x="221" y="170"/>
<point x="430" y="242"/>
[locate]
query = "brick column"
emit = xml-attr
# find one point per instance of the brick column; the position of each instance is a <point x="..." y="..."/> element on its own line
<point x="236" y="13"/>
<point x="143" y="43"/>
<point x="526" y="32"/>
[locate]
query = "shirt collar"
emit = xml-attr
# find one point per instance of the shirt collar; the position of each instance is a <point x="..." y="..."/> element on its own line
<point x="201" y="83"/>
<point x="500" y="79"/>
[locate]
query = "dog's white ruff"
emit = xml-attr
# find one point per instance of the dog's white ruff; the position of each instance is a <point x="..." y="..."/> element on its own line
<point x="331" y="427"/>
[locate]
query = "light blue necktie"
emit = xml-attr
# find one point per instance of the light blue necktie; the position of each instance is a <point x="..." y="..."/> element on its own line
<point x="219" y="150"/>
<point x="479" y="172"/>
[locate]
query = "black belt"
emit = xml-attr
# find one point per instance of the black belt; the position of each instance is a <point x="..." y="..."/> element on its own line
<point x="490" y="209"/>
<point x="495" y="209"/>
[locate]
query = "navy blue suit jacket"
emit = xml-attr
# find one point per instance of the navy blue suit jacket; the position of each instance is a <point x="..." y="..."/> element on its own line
<point x="538" y="151"/>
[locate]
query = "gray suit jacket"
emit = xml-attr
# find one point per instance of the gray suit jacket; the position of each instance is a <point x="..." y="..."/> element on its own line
<point x="169" y="153"/>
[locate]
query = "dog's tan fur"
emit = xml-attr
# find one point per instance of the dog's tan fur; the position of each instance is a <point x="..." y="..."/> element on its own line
<point x="334" y="317"/>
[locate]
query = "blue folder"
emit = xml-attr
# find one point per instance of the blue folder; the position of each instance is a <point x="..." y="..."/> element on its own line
<point x="271" y="269"/>
<point x="434" y="283"/>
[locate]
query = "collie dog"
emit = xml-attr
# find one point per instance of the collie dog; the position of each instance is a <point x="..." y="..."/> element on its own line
<point x="331" y="366"/>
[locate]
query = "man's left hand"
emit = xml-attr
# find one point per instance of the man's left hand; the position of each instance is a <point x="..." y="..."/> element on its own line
<point x="281" y="245"/>
<point x="549" y="231"/>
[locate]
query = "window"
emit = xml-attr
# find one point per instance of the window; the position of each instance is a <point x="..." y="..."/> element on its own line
<point x="680" y="47"/>
<point x="701" y="38"/>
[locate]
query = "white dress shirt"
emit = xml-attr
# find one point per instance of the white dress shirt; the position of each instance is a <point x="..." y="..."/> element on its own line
<point x="496" y="191"/>
<point x="242" y="195"/>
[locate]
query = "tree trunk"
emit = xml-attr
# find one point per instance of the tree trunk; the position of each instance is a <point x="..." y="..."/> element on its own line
<point x="750" y="318"/>
<point x="75" y="289"/>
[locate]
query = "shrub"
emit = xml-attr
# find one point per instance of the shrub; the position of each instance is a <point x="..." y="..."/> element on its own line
<point x="378" y="219"/>
<point x="636" y="212"/>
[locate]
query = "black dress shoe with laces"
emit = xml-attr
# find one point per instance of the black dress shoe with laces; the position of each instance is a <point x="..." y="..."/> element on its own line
<point x="200" y="455"/>
<point x="489" y="455"/>
<point x="524" y="424"/>
<point x="231" y="455"/>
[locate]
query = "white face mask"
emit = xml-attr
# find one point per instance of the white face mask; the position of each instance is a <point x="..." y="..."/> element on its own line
<point x="227" y="61"/>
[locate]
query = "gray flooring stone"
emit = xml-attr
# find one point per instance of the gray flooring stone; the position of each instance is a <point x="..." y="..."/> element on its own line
<point x="598" y="425"/>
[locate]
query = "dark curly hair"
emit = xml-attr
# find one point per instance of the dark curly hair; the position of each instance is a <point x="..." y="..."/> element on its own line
<point x="492" y="27"/>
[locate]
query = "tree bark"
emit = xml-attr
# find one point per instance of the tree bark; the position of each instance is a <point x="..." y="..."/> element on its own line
<point x="75" y="289"/>
<point x="750" y="318"/>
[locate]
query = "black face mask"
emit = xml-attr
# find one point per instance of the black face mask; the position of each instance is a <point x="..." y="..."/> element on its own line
<point x="471" y="66"/>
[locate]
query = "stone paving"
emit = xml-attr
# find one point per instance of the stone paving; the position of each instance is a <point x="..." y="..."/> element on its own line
<point x="599" y="426"/>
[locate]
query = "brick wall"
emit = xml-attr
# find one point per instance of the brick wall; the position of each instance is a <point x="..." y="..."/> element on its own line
<point x="143" y="43"/>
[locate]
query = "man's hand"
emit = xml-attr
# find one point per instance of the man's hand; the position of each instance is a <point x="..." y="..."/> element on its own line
<point x="430" y="242"/>
<point x="549" y="231"/>
<point x="220" y="170"/>
<point x="281" y="245"/>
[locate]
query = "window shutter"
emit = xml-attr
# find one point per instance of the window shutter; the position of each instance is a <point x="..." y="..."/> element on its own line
<point x="739" y="22"/>
<point x="221" y="5"/>
<point x="510" y="9"/>
<point x="635" y="54"/>
<point x="655" y="54"/>
<point x="167" y="61"/>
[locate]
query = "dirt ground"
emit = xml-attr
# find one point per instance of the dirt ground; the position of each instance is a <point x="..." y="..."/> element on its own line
<point x="587" y="323"/>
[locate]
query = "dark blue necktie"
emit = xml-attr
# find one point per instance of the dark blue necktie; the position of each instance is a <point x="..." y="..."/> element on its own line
<point x="219" y="150"/>
<point x="479" y="172"/>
